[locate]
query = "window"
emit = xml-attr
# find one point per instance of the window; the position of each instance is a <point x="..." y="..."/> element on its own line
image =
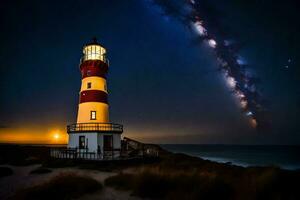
<point x="89" y="85"/>
<point x="93" y="115"/>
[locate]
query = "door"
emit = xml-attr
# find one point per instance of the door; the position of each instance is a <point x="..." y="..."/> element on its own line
<point x="107" y="142"/>
<point x="81" y="142"/>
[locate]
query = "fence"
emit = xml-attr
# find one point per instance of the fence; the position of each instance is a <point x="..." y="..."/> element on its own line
<point x="99" y="127"/>
<point x="83" y="154"/>
<point x="129" y="149"/>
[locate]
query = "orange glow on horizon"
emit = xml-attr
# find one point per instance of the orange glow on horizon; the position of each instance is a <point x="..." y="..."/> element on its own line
<point x="33" y="136"/>
<point x="56" y="136"/>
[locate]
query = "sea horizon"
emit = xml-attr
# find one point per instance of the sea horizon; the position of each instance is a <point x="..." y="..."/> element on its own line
<point x="282" y="156"/>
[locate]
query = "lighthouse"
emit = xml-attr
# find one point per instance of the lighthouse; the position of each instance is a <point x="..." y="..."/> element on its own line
<point x="93" y="132"/>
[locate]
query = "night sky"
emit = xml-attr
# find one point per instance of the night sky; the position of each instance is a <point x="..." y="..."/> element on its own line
<point x="163" y="83"/>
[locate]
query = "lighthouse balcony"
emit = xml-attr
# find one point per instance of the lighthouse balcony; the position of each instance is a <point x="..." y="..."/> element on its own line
<point x="94" y="57"/>
<point x="95" y="127"/>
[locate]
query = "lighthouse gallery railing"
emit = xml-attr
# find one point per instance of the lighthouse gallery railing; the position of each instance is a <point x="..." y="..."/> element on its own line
<point x="90" y="127"/>
<point x="104" y="59"/>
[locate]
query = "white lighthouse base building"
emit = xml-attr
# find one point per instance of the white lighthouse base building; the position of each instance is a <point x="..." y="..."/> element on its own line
<point x="95" y="140"/>
<point x="104" y="145"/>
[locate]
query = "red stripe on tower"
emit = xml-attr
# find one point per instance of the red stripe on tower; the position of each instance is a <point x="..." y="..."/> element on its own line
<point x="93" y="96"/>
<point x="93" y="68"/>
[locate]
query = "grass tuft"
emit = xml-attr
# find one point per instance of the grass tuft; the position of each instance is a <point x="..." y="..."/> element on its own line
<point x="64" y="186"/>
<point x="182" y="177"/>
<point x="150" y="184"/>
<point x="120" y="182"/>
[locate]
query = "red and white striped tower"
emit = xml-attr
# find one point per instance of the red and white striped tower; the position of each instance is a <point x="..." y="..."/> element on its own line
<point x="93" y="131"/>
<point x="93" y="104"/>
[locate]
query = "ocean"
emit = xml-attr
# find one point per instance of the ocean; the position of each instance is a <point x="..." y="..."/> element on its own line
<point x="285" y="157"/>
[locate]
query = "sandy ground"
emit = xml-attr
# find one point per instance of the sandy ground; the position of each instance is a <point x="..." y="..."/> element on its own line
<point x="22" y="178"/>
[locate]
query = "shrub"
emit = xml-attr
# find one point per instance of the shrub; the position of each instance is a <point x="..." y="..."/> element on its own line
<point x="169" y="183"/>
<point x="120" y="181"/>
<point x="64" y="186"/>
<point x="153" y="185"/>
<point x="157" y="184"/>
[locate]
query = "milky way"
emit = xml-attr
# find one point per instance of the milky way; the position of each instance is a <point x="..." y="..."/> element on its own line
<point x="238" y="75"/>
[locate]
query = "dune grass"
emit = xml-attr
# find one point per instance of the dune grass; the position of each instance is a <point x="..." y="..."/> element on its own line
<point x="64" y="186"/>
<point x="5" y="171"/>
<point x="182" y="177"/>
<point x="19" y="155"/>
<point x="121" y="181"/>
<point x="150" y="184"/>
<point x="171" y="176"/>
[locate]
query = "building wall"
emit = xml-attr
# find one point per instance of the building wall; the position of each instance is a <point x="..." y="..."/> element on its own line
<point x="93" y="139"/>
<point x="100" y="141"/>
<point x="90" y="141"/>
<point x="117" y="141"/>
<point x="73" y="143"/>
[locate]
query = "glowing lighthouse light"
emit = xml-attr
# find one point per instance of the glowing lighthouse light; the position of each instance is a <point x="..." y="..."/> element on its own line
<point x="94" y="52"/>
<point x="93" y="132"/>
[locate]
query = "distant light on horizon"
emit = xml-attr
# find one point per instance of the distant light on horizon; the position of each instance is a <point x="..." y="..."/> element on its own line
<point x="56" y="136"/>
<point x="33" y="135"/>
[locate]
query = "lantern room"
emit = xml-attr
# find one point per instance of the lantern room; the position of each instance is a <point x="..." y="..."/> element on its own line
<point x="94" y="51"/>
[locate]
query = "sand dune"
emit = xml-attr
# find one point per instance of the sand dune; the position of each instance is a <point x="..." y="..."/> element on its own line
<point x="22" y="179"/>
